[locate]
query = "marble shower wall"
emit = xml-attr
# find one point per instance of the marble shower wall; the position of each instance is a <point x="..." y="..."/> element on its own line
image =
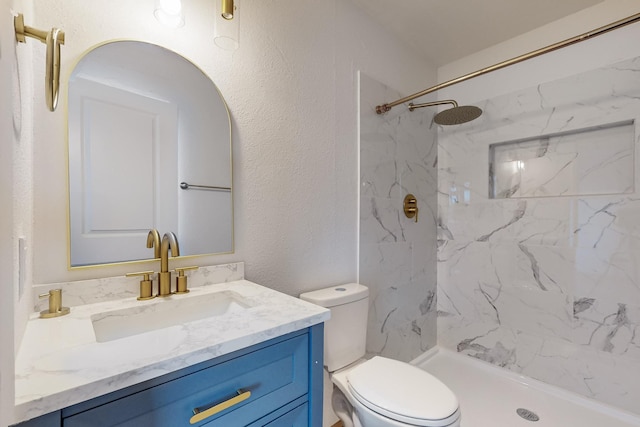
<point x="540" y="282"/>
<point x="397" y="255"/>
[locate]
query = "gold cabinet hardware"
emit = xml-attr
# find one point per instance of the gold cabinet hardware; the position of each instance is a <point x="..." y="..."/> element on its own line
<point x="205" y="412"/>
<point x="146" y="285"/>
<point x="411" y="206"/>
<point x="55" y="304"/>
<point x="181" y="279"/>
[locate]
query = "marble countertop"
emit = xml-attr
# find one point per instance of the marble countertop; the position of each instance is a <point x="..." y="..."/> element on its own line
<point x="60" y="363"/>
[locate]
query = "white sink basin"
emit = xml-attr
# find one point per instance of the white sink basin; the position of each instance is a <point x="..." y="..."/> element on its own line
<point x="164" y="313"/>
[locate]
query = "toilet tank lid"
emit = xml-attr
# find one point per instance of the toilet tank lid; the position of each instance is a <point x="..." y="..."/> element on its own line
<point x="336" y="295"/>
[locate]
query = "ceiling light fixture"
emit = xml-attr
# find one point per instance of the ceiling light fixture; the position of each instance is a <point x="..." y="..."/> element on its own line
<point x="226" y="31"/>
<point x="227" y="9"/>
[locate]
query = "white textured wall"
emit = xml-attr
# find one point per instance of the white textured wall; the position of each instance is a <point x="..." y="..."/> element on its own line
<point x="7" y="64"/>
<point x="26" y="78"/>
<point x="9" y="147"/>
<point x="291" y="89"/>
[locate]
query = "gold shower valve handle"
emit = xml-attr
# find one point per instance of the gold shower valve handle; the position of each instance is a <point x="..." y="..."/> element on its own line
<point x="411" y="206"/>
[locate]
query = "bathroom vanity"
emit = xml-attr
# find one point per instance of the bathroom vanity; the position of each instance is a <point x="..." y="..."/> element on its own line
<point x="254" y="360"/>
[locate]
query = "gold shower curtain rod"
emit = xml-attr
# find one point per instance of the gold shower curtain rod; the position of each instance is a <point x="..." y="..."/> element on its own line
<point x="381" y="109"/>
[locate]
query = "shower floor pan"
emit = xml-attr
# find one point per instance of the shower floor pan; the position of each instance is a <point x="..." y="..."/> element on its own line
<point x="493" y="397"/>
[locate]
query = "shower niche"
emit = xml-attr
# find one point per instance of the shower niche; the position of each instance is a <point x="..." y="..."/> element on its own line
<point x="587" y="161"/>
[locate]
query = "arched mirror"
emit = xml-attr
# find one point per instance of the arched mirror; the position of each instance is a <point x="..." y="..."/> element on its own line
<point x="149" y="147"/>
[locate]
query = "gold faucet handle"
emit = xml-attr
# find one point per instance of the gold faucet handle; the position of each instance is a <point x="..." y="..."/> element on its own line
<point x="146" y="285"/>
<point x="180" y="270"/>
<point x="181" y="279"/>
<point x="146" y="274"/>
<point x="55" y="304"/>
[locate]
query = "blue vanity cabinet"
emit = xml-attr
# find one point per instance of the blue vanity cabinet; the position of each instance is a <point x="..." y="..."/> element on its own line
<point x="296" y="417"/>
<point x="274" y="383"/>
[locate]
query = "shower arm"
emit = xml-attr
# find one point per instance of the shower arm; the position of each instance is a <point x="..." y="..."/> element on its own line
<point x="413" y="106"/>
<point x="381" y="109"/>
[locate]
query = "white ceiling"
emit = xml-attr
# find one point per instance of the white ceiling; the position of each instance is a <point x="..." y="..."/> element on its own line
<point x="447" y="30"/>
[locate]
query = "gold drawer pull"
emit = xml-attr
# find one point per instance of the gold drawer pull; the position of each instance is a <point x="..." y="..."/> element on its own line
<point x="204" y="412"/>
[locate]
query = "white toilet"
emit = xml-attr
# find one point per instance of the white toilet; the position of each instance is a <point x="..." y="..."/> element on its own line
<point x="379" y="392"/>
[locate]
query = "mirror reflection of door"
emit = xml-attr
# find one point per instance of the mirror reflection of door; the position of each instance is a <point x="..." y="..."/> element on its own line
<point x="142" y="120"/>
<point x="124" y="169"/>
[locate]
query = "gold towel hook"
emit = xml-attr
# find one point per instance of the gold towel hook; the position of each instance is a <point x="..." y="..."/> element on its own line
<point x="53" y="39"/>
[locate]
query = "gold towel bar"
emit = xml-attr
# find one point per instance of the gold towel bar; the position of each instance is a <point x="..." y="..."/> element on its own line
<point x="53" y="39"/>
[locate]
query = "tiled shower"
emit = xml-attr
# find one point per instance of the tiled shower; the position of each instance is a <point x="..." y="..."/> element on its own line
<point x="538" y="232"/>
<point x="397" y="255"/>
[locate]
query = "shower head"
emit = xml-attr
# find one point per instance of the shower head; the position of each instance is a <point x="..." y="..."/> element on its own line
<point x="453" y="116"/>
<point x="457" y="115"/>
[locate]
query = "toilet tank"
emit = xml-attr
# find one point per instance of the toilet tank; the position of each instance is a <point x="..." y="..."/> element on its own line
<point x="346" y="332"/>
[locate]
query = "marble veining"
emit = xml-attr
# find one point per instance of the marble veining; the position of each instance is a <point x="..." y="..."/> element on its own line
<point x="545" y="281"/>
<point x="398" y="155"/>
<point x="60" y="363"/>
<point x="115" y="288"/>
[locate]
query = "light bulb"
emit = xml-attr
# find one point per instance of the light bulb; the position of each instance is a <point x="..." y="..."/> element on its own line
<point x="169" y="13"/>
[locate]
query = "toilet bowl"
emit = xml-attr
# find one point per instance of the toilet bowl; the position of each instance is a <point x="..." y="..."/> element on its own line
<point x="379" y="392"/>
<point x="387" y="393"/>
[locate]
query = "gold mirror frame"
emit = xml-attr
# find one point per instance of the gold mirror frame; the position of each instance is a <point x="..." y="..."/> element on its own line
<point x="69" y="178"/>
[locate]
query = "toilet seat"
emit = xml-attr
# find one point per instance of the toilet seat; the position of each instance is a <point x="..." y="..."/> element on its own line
<point x="403" y="392"/>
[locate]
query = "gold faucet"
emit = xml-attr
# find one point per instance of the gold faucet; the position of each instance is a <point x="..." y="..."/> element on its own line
<point x="169" y="243"/>
<point x="55" y="304"/>
<point x="153" y="241"/>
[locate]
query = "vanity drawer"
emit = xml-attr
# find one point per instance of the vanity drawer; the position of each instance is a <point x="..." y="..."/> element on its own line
<point x="297" y="417"/>
<point x="274" y="376"/>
